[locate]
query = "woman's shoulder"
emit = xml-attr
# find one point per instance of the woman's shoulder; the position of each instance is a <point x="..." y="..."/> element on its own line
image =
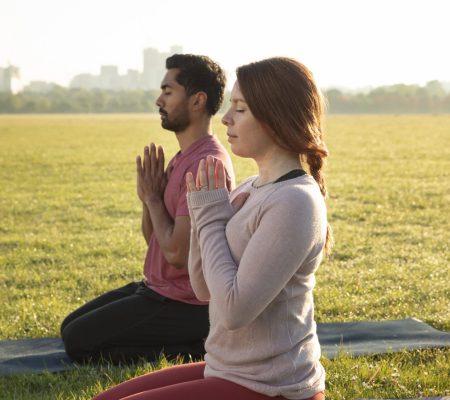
<point x="301" y="187"/>
<point x="295" y="196"/>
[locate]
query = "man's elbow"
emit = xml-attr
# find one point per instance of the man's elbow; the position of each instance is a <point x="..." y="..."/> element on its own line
<point x="202" y="295"/>
<point x="146" y="235"/>
<point x="178" y="260"/>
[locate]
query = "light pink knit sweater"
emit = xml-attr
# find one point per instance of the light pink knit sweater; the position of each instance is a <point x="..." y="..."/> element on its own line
<point x="257" y="268"/>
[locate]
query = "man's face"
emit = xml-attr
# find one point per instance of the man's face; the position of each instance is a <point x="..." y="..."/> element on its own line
<point x="173" y="103"/>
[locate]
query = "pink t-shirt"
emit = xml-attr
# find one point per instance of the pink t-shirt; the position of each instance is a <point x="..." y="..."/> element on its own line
<point x="159" y="275"/>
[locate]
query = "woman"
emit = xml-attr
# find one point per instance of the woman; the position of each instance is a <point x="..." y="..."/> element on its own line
<point x="254" y="254"/>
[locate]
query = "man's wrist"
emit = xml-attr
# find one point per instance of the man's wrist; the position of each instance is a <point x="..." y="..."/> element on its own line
<point x="152" y="200"/>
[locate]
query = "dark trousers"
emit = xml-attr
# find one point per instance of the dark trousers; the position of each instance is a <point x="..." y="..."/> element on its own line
<point x="133" y="323"/>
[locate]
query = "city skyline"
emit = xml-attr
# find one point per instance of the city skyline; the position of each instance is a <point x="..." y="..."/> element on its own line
<point x="110" y="77"/>
<point x="348" y="43"/>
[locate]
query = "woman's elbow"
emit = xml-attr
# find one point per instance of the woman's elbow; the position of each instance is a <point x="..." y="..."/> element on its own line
<point x="233" y="321"/>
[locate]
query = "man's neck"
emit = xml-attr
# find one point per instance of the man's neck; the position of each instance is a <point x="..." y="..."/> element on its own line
<point x="192" y="133"/>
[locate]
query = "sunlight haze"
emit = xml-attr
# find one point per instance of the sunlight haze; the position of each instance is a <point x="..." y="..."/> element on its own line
<point x="345" y="43"/>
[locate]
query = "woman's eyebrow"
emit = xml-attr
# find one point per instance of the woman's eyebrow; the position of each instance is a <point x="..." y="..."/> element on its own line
<point x="236" y="100"/>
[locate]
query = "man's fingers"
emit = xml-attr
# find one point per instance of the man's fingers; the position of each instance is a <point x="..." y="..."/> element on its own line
<point x="146" y="160"/>
<point x="190" y="183"/>
<point x="153" y="161"/>
<point x="160" y="160"/>
<point x="139" y="169"/>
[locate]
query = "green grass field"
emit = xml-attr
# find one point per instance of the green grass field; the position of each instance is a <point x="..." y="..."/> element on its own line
<point x="70" y="230"/>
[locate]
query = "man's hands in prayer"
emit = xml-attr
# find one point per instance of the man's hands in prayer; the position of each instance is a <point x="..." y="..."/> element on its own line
<point x="151" y="177"/>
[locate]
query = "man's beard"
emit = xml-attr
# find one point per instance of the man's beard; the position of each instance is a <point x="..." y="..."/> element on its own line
<point x="178" y="123"/>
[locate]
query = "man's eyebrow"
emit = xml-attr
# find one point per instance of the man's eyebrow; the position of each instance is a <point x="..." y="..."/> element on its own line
<point x="165" y="86"/>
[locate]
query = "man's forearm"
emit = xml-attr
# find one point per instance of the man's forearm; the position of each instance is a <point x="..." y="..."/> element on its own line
<point x="147" y="226"/>
<point x="175" y="249"/>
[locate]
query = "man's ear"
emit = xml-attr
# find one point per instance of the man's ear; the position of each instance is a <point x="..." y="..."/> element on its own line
<point x="198" y="100"/>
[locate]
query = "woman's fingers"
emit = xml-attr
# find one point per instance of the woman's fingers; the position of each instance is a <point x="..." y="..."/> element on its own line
<point x="220" y="174"/>
<point x="211" y="173"/>
<point x="202" y="176"/>
<point x="190" y="183"/>
<point x="239" y="201"/>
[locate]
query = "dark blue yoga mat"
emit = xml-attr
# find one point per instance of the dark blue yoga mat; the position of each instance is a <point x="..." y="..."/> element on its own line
<point x="354" y="338"/>
<point x="33" y="355"/>
<point x="378" y="337"/>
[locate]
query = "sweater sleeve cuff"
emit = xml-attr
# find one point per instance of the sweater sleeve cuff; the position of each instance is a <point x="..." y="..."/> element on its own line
<point x="204" y="197"/>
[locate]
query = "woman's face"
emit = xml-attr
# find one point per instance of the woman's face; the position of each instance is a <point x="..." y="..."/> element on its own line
<point x="246" y="135"/>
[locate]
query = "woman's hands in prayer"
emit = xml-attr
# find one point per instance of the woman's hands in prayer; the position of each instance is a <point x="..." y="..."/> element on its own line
<point x="210" y="176"/>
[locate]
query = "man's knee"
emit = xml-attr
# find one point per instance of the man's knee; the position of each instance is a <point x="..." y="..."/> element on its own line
<point x="64" y="324"/>
<point x="76" y="341"/>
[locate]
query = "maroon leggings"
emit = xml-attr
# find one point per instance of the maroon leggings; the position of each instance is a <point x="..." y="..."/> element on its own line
<point x="183" y="382"/>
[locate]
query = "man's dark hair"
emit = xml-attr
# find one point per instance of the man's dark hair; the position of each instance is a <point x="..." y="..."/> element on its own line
<point x="200" y="74"/>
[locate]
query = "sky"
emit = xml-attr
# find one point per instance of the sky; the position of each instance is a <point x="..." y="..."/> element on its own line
<point x="346" y="43"/>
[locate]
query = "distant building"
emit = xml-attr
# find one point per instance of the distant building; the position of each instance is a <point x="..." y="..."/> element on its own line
<point x="132" y="80"/>
<point x="110" y="79"/>
<point x="7" y="77"/>
<point x="446" y="86"/>
<point x="155" y="66"/>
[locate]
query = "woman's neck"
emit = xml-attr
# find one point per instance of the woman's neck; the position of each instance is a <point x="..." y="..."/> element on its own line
<point x="274" y="164"/>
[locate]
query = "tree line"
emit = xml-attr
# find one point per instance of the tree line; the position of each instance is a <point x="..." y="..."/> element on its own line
<point x="430" y="98"/>
<point x="64" y="100"/>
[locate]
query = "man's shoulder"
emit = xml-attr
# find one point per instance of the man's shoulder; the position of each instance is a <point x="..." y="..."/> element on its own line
<point x="213" y="147"/>
<point x="208" y="146"/>
<point x="212" y="143"/>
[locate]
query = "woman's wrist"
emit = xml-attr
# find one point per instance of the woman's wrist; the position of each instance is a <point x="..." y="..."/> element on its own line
<point x="203" y="198"/>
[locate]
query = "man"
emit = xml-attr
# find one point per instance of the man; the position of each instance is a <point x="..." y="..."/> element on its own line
<point x="160" y="314"/>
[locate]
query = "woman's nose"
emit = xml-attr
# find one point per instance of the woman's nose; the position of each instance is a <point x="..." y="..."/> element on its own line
<point x="226" y="119"/>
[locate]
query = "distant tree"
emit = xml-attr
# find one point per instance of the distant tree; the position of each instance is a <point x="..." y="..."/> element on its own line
<point x="435" y="89"/>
